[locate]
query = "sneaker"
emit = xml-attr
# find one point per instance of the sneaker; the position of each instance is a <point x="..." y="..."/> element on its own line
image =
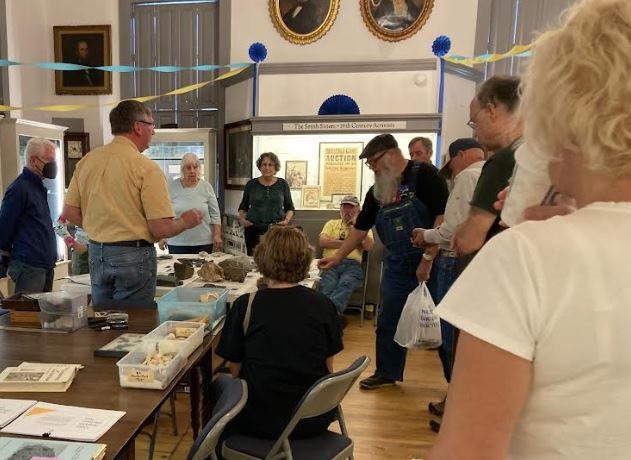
<point x="374" y="381"/>
<point x="437" y="408"/>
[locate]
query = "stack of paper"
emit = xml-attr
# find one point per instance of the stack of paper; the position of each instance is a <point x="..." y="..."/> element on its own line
<point x="24" y="448"/>
<point x="40" y="377"/>
<point x="64" y="422"/>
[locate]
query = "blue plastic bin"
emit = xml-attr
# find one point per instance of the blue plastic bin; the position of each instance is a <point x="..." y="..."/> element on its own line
<point x="182" y="304"/>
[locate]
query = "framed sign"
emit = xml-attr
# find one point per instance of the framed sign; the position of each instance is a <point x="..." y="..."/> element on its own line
<point x="296" y="173"/>
<point x="87" y="47"/>
<point x="340" y="168"/>
<point x="238" y="157"/>
<point x="76" y="145"/>
<point x="311" y="196"/>
<point x="395" y="20"/>
<point x="303" y="21"/>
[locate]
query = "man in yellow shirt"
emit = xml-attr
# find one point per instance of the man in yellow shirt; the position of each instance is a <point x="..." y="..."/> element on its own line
<point x="339" y="282"/>
<point x="120" y="198"/>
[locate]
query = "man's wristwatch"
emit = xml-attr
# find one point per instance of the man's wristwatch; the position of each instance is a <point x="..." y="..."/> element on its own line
<point x="427" y="257"/>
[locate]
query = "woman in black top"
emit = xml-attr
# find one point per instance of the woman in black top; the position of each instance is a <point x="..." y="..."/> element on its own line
<point x="289" y="343"/>
<point x="266" y="200"/>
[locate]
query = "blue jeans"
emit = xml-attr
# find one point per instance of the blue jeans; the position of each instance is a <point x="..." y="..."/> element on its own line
<point x="30" y="279"/>
<point x="399" y="279"/>
<point x="122" y="273"/>
<point x="447" y="270"/>
<point x="339" y="282"/>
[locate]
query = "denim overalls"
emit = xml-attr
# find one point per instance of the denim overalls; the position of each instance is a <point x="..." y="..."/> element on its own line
<point x="394" y="225"/>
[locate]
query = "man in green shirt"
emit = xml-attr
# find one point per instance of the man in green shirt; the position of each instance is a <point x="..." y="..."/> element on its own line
<point x="495" y="120"/>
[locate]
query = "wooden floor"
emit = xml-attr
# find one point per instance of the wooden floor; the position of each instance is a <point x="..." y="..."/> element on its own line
<point x="390" y="423"/>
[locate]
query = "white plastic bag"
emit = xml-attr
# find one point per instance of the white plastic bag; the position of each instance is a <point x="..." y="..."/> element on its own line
<point x="419" y="326"/>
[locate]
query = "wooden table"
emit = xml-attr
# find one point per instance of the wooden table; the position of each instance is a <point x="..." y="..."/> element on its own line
<point x="97" y="385"/>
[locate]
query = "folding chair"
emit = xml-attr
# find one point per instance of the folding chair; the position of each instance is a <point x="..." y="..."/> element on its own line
<point x="324" y="395"/>
<point x="229" y="396"/>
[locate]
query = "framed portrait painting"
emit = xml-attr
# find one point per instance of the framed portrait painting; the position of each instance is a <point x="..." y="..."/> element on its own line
<point x="238" y="157"/>
<point x="87" y="47"/>
<point x="394" y="20"/>
<point x="303" y="21"/>
<point x="296" y="173"/>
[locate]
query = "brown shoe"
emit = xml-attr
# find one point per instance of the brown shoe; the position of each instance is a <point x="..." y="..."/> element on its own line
<point x="434" y="426"/>
<point x="437" y="408"/>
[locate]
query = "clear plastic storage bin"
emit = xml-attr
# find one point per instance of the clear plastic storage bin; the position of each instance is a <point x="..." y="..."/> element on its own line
<point x="63" y="310"/>
<point x="186" y="336"/>
<point x="133" y="373"/>
<point x="183" y="303"/>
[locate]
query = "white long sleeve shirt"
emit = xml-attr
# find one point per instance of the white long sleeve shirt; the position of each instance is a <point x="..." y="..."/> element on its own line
<point x="457" y="208"/>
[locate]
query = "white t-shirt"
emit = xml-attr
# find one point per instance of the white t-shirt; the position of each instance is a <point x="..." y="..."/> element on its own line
<point x="558" y="293"/>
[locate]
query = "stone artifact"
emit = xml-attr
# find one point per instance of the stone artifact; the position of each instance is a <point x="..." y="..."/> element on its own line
<point x="183" y="270"/>
<point x="210" y="271"/>
<point x="234" y="270"/>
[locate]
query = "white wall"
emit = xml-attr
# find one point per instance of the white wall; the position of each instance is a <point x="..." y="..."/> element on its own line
<point x="30" y="39"/>
<point x="349" y="38"/>
<point x="375" y="92"/>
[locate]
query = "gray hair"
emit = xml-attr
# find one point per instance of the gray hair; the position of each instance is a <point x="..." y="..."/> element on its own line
<point x="38" y="145"/>
<point x="188" y="158"/>
<point x="125" y="114"/>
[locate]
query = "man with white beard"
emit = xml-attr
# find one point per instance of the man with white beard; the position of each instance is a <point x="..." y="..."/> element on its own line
<point x="406" y="195"/>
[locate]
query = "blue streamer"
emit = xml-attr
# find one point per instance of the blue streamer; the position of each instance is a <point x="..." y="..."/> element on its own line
<point x="60" y="66"/>
<point x="118" y="68"/>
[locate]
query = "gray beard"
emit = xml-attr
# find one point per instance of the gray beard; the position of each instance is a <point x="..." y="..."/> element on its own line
<point x="386" y="187"/>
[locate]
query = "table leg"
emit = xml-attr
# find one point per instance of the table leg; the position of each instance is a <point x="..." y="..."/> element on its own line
<point x="201" y="406"/>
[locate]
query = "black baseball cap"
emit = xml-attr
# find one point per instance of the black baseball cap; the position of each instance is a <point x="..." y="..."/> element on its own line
<point x="464" y="143"/>
<point x="379" y="144"/>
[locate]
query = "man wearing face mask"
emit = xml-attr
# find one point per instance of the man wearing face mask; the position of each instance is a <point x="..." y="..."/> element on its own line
<point x="27" y="239"/>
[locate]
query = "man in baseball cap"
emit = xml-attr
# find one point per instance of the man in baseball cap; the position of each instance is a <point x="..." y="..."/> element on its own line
<point x="406" y="195"/>
<point x="339" y="282"/>
<point x="466" y="158"/>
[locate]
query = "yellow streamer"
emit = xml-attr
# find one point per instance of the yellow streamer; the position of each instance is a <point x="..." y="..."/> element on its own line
<point x="71" y="107"/>
<point x="514" y="51"/>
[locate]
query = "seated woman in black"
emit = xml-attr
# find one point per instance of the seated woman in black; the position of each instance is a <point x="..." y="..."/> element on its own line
<point x="289" y="343"/>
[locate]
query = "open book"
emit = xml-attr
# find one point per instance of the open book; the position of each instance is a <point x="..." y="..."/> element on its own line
<point x="64" y="422"/>
<point x="39" y="377"/>
<point x="25" y="448"/>
<point x="10" y="409"/>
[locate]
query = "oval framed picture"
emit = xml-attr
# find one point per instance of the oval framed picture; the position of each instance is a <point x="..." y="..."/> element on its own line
<point x="303" y="21"/>
<point x="395" y="20"/>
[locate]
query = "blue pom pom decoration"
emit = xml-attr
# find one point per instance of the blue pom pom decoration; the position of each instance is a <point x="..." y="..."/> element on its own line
<point x="339" y="104"/>
<point x="257" y="52"/>
<point x="441" y="46"/>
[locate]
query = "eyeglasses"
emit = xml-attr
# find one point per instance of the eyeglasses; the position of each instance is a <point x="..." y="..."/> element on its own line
<point x="150" y="123"/>
<point x="372" y="162"/>
<point x="471" y="123"/>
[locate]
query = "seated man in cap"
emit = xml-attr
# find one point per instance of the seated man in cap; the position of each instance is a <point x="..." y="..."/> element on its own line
<point x="406" y="195"/>
<point x="466" y="158"/>
<point x="339" y="282"/>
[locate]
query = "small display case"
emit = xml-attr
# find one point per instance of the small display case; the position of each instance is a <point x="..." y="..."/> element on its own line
<point x="133" y="372"/>
<point x="184" y="336"/>
<point x="63" y="310"/>
<point x="183" y="303"/>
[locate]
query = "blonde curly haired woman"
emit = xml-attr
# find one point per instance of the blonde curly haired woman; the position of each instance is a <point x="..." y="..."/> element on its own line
<point x="544" y="363"/>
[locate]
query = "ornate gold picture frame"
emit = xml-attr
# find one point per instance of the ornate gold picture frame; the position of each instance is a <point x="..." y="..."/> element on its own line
<point x="395" y="20"/>
<point x="303" y="21"/>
